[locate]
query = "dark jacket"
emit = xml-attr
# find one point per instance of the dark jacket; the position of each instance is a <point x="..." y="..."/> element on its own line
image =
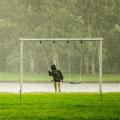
<point x="57" y="75"/>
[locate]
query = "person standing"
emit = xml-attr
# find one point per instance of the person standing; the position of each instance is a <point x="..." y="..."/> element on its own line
<point x="57" y="77"/>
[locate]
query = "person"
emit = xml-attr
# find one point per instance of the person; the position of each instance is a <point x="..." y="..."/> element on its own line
<point x="57" y="77"/>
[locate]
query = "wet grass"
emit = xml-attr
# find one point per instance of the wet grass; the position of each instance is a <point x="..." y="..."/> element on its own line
<point x="45" y="77"/>
<point x="50" y="106"/>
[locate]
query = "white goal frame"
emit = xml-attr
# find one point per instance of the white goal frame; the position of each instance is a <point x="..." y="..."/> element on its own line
<point x="22" y="40"/>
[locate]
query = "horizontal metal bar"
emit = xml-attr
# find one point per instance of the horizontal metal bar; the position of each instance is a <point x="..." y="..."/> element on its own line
<point x="61" y="39"/>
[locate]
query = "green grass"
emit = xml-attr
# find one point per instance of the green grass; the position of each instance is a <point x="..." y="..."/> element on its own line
<point x="45" y="77"/>
<point x="50" y="106"/>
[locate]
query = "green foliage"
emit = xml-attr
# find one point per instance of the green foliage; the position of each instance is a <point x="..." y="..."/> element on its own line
<point x="60" y="19"/>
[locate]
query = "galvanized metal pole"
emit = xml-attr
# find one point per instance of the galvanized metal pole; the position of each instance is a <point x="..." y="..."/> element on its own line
<point x="21" y="68"/>
<point x="100" y="68"/>
<point x="61" y="39"/>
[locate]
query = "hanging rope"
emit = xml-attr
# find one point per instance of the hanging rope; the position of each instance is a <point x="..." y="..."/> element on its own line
<point x="44" y="54"/>
<point x="69" y="69"/>
<point x="55" y="54"/>
<point x="81" y="61"/>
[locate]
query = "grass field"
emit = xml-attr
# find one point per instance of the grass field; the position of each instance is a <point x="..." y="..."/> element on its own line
<point x="60" y="106"/>
<point x="45" y="77"/>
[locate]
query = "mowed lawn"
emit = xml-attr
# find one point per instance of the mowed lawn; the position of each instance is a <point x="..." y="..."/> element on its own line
<point x="46" y="77"/>
<point x="63" y="106"/>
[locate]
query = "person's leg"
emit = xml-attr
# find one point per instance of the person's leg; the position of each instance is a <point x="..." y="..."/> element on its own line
<point x="59" y="86"/>
<point x="55" y="86"/>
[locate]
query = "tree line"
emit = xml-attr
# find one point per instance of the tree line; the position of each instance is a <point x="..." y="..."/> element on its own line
<point x="60" y="19"/>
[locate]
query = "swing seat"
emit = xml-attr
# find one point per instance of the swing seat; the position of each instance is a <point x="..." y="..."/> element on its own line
<point x="75" y="82"/>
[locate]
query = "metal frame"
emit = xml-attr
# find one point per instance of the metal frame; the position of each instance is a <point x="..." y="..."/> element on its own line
<point x="60" y="39"/>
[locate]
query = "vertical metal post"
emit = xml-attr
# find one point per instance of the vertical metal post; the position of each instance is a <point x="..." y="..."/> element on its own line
<point x="21" y="68"/>
<point x="100" y="68"/>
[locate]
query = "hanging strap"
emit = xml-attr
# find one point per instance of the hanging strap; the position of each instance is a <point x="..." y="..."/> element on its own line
<point x="44" y="54"/>
<point x="69" y="68"/>
<point x="81" y="42"/>
<point x="55" y="54"/>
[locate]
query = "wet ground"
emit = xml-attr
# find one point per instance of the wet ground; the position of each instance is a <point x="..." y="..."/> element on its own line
<point x="14" y="87"/>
